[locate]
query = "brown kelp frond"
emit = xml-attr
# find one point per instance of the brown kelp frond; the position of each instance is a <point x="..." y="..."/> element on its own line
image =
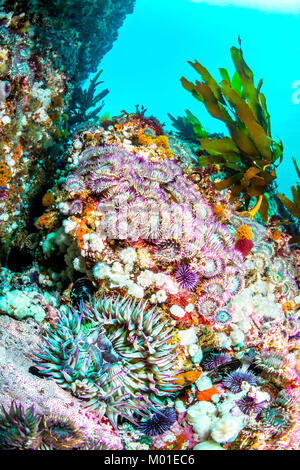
<point x="83" y="100"/>
<point x="188" y="127"/>
<point x="249" y="153"/>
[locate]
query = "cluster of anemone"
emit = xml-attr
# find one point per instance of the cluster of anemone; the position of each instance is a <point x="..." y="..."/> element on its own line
<point x="103" y="171"/>
<point x="19" y="428"/>
<point x="280" y="271"/>
<point x="115" y="354"/>
<point x="135" y="199"/>
<point x="106" y="352"/>
<point x="60" y="433"/>
<point x="24" y="429"/>
<point x="275" y="365"/>
<point x="280" y="415"/>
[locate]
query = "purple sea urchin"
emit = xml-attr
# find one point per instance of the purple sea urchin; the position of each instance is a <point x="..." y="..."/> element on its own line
<point x="234" y="380"/>
<point x="215" y="360"/>
<point x="159" y="422"/>
<point x="186" y="278"/>
<point x="249" y="405"/>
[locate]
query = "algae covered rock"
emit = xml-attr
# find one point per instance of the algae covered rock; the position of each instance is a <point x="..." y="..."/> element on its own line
<point x="47" y="49"/>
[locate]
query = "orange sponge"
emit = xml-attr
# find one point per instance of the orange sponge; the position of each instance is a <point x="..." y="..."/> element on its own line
<point x="243" y="233"/>
<point x="206" y="394"/>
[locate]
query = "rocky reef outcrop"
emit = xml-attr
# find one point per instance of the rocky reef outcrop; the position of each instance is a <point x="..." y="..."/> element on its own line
<point x="47" y="50"/>
<point x="155" y="304"/>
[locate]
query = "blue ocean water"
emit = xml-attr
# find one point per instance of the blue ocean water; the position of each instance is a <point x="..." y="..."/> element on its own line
<point x="156" y="41"/>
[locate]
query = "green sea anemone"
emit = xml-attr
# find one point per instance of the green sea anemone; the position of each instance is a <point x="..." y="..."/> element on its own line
<point x="19" y="428"/>
<point x="22" y="429"/>
<point x="114" y="353"/>
<point x="59" y="433"/>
